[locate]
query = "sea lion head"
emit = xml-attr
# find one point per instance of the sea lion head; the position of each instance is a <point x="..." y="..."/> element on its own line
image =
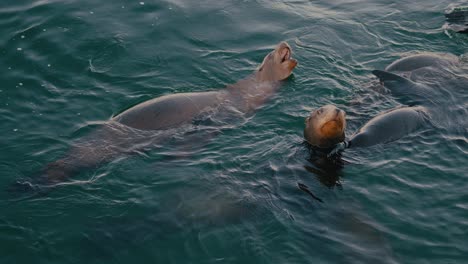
<point x="277" y="65"/>
<point x="325" y="126"/>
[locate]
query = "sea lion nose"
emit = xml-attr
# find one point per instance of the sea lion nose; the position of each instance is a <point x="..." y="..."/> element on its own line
<point x="337" y="110"/>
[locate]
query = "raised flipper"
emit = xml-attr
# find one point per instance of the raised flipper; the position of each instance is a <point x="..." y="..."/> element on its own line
<point x="409" y="92"/>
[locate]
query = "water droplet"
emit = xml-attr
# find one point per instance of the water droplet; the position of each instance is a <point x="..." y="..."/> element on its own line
<point x="48" y="65"/>
<point x="79" y="114"/>
<point x="22" y="36"/>
<point x="142" y="3"/>
<point x="9" y="68"/>
<point x="21" y="84"/>
<point x="44" y="30"/>
<point x="19" y="49"/>
<point x="15" y="129"/>
<point x="91" y="12"/>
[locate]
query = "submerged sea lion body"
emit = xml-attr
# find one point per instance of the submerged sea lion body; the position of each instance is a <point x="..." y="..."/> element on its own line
<point x="152" y="121"/>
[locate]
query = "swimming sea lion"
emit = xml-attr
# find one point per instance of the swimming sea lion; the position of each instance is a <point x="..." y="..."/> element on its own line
<point x="383" y="128"/>
<point x="129" y="130"/>
<point x="246" y="95"/>
<point x="424" y="102"/>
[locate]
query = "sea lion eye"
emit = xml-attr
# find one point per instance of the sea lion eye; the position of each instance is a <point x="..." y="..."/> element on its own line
<point x="320" y="111"/>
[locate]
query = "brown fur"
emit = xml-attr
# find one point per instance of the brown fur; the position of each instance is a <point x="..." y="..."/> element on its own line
<point x="325" y="127"/>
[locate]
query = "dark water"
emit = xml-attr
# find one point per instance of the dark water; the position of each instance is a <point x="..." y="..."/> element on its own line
<point x="69" y="65"/>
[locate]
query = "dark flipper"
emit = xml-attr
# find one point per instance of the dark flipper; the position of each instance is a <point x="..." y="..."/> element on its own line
<point x="385" y="76"/>
<point x="410" y="92"/>
<point x="306" y="189"/>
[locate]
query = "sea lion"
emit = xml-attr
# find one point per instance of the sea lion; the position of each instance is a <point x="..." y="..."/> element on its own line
<point x="424" y="101"/>
<point x="383" y="128"/>
<point x="246" y="95"/>
<point x="129" y="131"/>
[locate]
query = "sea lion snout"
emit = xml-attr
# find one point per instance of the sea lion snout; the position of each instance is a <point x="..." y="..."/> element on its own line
<point x="277" y="65"/>
<point x="285" y="56"/>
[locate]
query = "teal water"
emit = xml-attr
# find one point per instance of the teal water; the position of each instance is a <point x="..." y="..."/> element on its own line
<point x="67" y="66"/>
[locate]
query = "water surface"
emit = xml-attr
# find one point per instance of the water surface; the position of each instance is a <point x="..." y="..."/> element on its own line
<point x="67" y="66"/>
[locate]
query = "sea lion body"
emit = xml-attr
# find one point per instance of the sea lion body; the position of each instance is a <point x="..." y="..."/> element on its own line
<point x="389" y="126"/>
<point x="170" y="110"/>
<point x="418" y="61"/>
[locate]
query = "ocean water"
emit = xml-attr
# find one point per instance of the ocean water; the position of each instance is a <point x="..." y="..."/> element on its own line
<point x="231" y="196"/>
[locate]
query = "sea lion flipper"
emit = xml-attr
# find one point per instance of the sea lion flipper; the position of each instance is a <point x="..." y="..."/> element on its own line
<point x="409" y="92"/>
<point x="338" y="148"/>
<point x="385" y="76"/>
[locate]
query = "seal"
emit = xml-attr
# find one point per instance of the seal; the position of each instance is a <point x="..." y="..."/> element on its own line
<point x="129" y="131"/>
<point x="325" y="127"/>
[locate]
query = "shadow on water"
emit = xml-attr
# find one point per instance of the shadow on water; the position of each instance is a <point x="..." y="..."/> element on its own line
<point x="180" y="217"/>
<point x="328" y="170"/>
<point x="350" y="230"/>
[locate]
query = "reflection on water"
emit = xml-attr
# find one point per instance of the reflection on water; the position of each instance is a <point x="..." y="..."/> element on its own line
<point x="327" y="170"/>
